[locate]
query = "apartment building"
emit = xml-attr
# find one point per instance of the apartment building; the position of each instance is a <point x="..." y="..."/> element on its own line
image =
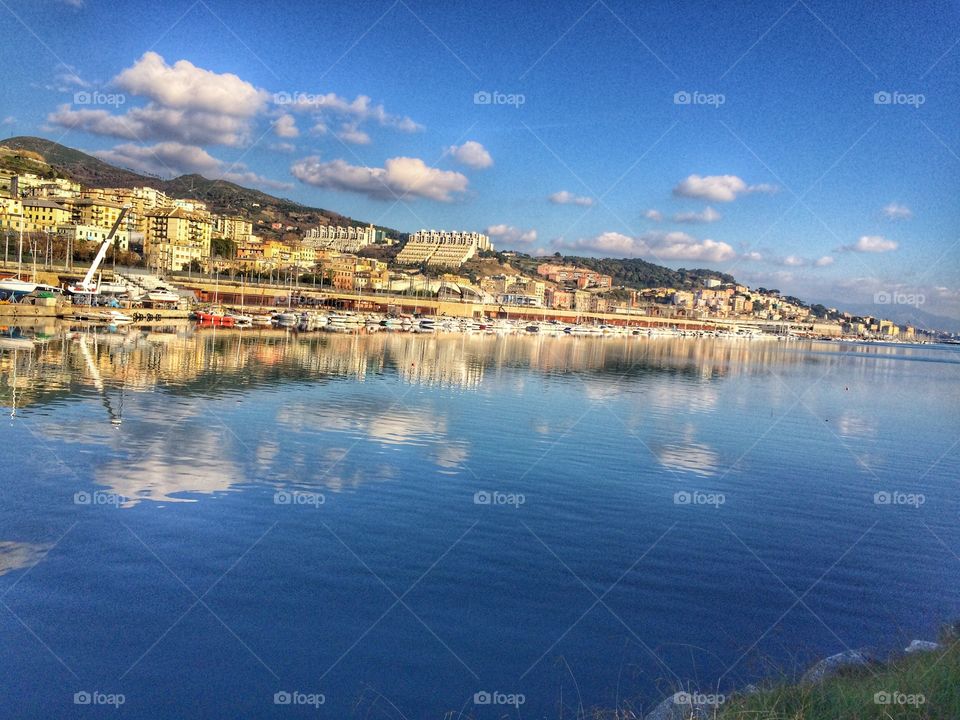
<point x="175" y="238"/>
<point x="343" y="238"/>
<point x="11" y="213"/>
<point x="234" y="228"/>
<point x="443" y="248"/>
<point x="75" y="234"/>
<point x="44" y="215"/>
<point x="581" y="278"/>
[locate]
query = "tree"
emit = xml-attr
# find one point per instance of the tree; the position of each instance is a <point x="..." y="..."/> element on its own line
<point x="223" y="247"/>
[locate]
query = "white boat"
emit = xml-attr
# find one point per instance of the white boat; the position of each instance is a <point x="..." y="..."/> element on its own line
<point x="115" y="317"/>
<point x="240" y="320"/>
<point x="15" y="286"/>
<point x="161" y="294"/>
<point x="286" y="319"/>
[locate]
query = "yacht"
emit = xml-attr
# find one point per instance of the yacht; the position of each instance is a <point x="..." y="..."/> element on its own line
<point x="161" y="294"/>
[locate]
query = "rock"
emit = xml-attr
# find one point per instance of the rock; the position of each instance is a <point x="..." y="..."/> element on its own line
<point x="921" y="646"/>
<point x="686" y="706"/>
<point x="828" y="667"/>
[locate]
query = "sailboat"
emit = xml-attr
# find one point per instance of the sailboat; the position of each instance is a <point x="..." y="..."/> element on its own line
<point x="16" y="287"/>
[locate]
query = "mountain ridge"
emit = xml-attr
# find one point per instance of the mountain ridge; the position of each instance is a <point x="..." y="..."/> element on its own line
<point x="221" y="196"/>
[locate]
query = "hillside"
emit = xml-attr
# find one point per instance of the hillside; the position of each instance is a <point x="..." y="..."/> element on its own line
<point x="628" y="272"/>
<point x="221" y="196"/>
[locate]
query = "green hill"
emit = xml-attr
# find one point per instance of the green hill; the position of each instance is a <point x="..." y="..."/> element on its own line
<point x="626" y="272"/>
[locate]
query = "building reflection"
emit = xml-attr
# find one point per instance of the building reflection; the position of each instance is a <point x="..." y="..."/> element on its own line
<point x="63" y="361"/>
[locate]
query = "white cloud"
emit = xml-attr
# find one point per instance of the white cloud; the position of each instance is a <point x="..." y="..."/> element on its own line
<point x="184" y="85"/>
<point x="285" y="126"/>
<point x="870" y="244"/>
<point x="73" y="3"/>
<point x="564" y="197"/>
<point x="400" y="176"/>
<point x="752" y="256"/>
<point x="657" y="246"/>
<point x="67" y="79"/>
<point x="153" y="122"/>
<point x="718" y="188"/>
<point x="167" y="158"/>
<point x="794" y="261"/>
<point x="823" y="261"/>
<point x="897" y="211"/>
<point x="172" y="158"/>
<point x="707" y="215"/>
<point x="512" y="236"/>
<point x="350" y="133"/>
<point x="359" y="109"/>
<point x="654" y="215"/>
<point x="472" y="154"/>
<point x="8" y="120"/>
<point x="186" y="104"/>
<point x="283" y="147"/>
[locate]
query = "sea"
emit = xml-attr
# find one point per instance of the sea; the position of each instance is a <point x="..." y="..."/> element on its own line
<point x="254" y="523"/>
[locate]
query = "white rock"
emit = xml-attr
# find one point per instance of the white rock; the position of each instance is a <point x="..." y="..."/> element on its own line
<point x="828" y="667"/>
<point x="919" y="646"/>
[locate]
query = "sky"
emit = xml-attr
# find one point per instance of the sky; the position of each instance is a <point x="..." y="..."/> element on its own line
<point x="803" y="145"/>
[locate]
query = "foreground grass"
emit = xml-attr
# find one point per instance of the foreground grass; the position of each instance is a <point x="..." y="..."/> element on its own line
<point x="925" y="686"/>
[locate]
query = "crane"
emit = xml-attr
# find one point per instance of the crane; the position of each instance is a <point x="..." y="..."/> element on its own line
<point x="87" y="285"/>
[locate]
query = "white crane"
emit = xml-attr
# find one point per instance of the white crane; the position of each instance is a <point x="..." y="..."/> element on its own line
<point x="87" y="285"/>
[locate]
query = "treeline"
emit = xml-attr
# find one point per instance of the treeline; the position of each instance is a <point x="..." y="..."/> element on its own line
<point x="631" y="272"/>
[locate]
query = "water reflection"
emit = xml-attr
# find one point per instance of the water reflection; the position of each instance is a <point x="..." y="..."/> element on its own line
<point x="16" y="555"/>
<point x="172" y="412"/>
<point x="51" y="364"/>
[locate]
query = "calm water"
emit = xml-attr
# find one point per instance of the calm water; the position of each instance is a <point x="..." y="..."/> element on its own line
<point x="201" y="521"/>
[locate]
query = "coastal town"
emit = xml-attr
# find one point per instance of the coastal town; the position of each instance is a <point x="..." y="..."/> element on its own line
<point x="53" y="227"/>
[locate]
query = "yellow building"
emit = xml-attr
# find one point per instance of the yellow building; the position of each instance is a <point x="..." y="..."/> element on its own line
<point x="41" y="214"/>
<point x="96" y="213"/>
<point x="140" y="200"/>
<point x="176" y="237"/>
<point x="11" y="213"/>
<point x="232" y="228"/>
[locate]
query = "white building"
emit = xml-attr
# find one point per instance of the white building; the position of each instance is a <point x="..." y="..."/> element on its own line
<point x="97" y="234"/>
<point x="440" y="247"/>
<point x="343" y="238"/>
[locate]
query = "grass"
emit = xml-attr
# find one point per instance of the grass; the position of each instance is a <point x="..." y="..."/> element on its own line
<point x="932" y="679"/>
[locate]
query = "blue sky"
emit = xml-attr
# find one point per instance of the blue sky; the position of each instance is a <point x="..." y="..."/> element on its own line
<point x="785" y="167"/>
